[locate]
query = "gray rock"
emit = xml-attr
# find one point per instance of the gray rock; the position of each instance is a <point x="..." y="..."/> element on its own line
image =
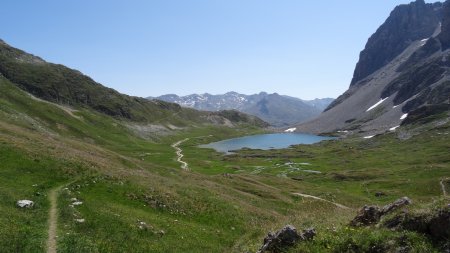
<point x="380" y="194"/>
<point x="366" y="216"/>
<point x="285" y="238"/>
<point x="372" y="214"/>
<point x="395" y="205"/>
<point x="25" y="203"/>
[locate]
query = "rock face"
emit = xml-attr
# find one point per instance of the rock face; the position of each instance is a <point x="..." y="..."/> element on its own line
<point x="372" y="214"/>
<point x="444" y="37"/>
<point x="435" y="225"/>
<point x="406" y="23"/>
<point x="25" y="203"/>
<point x="285" y="238"/>
<point x="404" y="67"/>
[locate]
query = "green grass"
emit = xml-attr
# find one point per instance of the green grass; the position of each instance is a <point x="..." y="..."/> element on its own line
<point x="365" y="240"/>
<point x="26" y="177"/>
<point x="225" y="204"/>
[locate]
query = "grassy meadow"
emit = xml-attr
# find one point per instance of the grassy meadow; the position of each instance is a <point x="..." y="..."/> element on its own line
<point x="135" y="197"/>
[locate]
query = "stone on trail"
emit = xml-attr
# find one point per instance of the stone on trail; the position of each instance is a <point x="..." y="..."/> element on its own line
<point x="25" y="203"/>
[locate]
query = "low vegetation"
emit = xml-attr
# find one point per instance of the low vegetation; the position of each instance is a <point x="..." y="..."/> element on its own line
<point x="134" y="197"/>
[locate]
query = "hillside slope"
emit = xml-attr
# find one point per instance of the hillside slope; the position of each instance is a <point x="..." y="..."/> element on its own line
<point x="278" y="110"/>
<point x="404" y="67"/>
<point x="61" y="85"/>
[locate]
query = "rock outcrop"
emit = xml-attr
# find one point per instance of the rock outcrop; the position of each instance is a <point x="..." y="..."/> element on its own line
<point x="435" y="225"/>
<point x="285" y="238"/>
<point x="372" y="214"/>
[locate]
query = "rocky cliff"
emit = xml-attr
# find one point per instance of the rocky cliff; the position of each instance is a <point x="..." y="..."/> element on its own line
<point x="404" y="66"/>
<point x="405" y="24"/>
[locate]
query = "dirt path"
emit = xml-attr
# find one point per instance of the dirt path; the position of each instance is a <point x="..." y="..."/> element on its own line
<point x="66" y="109"/>
<point x="52" y="220"/>
<point x="320" y="199"/>
<point x="179" y="152"/>
<point x="442" y="183"/>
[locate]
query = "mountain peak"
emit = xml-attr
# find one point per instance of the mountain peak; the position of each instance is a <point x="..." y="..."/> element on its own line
<point x="407" y="22"/>
<point x="444" y="36"/>
<point x="402" y="71"/>
<point x="273" y="108"/>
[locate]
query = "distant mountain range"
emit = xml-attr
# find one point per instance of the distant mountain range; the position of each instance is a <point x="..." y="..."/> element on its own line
<point x="403" y="75"/>
<point x="277" y="110"/>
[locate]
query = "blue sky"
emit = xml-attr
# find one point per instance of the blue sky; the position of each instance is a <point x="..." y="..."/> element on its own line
<point x="306" y="49"/>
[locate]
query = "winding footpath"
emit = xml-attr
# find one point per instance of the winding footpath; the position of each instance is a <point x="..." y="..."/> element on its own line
<point x="52" y="220"/>
<point x="179" y="152"/>
<point x="320" y="199"/>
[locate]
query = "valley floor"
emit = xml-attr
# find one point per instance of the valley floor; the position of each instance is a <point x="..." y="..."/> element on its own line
<point x="123" y="193"/>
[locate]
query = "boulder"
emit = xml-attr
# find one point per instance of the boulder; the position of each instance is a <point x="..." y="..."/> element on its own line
<point x="25" y="203"/>
<point x="372" y="214"/>
<point x="285" y="238"/>
<point x="380" y="194"/>
<point x="366" y="216"/>
<point x="395" y="205"/>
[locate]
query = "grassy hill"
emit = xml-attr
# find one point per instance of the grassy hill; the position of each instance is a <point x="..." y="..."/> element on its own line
<point x="59" y="84"/>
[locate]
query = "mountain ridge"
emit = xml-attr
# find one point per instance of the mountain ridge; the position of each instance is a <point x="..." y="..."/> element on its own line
<point x="278" y="110"/>
<point x="59" y="84"/>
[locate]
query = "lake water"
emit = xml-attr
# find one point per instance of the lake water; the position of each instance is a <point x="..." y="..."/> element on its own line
<point x="265" y="141"/>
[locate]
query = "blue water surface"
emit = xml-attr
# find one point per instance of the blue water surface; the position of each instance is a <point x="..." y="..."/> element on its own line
<point x="265" y="141"/>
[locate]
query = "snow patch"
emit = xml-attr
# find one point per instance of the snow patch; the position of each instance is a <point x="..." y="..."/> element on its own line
<point x="423" y="42"/>
<point x="290" y="130"/>
<point x="404" y="116"/>
<point x="369" y="137"/>
<point x="393" y="128"/>
<point x="377" y="104"/>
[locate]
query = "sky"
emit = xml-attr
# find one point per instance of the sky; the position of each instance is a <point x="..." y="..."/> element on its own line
<point x="306" y="49"/>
